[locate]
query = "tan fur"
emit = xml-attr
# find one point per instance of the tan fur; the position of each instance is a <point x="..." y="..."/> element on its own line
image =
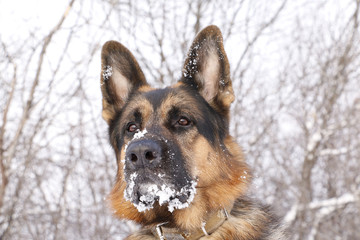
<point x="213" y="189"/>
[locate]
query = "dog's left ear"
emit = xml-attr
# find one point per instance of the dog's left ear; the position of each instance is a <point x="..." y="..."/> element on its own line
<point x="207" y="69"/>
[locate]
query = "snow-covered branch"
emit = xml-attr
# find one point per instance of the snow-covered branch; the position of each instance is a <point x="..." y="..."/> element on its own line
<point x="324" y="207"/>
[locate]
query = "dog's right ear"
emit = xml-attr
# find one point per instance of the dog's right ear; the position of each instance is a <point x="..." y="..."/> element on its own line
<point x="120" y="76"/>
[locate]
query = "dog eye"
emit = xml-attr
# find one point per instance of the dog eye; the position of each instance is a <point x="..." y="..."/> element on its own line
<point x="183" y="121"/>
<point x="132" y="127"/>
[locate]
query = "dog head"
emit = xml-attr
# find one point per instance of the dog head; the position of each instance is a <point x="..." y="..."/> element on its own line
<point x="176" y="159"/>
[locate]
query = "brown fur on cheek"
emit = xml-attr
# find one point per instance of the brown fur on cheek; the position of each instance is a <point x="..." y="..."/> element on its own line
<point x="234" y="177"/>
<point x="212" y="166"/>
<point x="222" y="177"/>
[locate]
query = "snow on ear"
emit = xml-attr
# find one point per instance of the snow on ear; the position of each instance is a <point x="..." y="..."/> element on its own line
<point x="121" y="74"/>
<point x="207" y="68"/>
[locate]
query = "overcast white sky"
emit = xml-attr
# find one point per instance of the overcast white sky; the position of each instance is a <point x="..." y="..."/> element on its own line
<point x="40" y="13"/>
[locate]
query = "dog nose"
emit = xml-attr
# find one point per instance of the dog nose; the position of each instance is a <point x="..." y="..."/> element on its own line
<point x="144" y="153"/>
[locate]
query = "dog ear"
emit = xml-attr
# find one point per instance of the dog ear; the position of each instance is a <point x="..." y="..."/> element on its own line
<point x="120" y="76"/>
<point x="207" y="69"/>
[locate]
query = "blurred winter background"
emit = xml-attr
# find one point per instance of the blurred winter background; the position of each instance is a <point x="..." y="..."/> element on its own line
<point x="296" y="72"/>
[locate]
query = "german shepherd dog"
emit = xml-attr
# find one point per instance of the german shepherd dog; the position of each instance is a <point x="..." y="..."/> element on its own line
<point x="180" y="173"/>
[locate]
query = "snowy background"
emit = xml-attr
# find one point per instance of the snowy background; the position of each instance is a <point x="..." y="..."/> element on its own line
<point x="296" y="73"/>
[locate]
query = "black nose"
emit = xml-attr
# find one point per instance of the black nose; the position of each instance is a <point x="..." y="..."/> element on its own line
<point x="143" y="153"/>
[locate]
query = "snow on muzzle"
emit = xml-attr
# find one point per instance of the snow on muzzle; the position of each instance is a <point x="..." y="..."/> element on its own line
<point x="155" y="171"/>
<point x="144" y="195"/>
